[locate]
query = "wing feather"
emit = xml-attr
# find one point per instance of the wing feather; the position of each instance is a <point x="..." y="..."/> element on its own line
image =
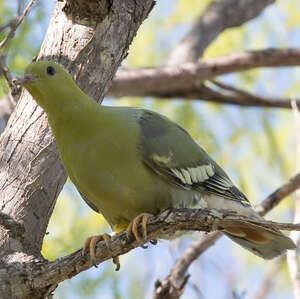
<point x="171" y="152"/>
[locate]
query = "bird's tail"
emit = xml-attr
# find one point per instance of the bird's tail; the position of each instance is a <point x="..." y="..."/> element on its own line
<point x="264" y="242"/>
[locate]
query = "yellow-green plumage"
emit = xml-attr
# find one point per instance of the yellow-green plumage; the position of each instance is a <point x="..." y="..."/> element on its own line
<point x="127" y="161"/>
<point x="103" y="174"/>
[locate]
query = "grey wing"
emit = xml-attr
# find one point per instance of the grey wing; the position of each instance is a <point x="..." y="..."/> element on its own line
<point x="171" y="152"/>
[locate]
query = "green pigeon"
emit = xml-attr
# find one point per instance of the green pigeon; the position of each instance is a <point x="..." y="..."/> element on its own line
<point x="129" y="162"/>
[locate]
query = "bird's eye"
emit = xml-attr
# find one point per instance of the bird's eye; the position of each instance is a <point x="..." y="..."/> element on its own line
<point x="50" y="70"/>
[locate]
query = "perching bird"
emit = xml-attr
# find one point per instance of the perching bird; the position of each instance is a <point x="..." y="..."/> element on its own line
<point x="130" y="162"/>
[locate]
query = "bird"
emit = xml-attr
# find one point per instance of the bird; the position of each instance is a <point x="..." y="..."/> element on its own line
<point x="129" y="163"/>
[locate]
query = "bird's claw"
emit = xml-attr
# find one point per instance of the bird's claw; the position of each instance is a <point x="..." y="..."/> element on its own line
<point x="132" y="228"/>
<point x="91" y="243"/>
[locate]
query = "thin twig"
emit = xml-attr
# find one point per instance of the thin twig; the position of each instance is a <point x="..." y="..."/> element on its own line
<point x="20" y="7"/>
<point x="276" y="197"/>
<point x="9" y="24"/>
<point x="173" y="285"/>
<point x="7" y="75"/>
<point x="239" y="97"/>
<point x="292" y="260"/>
<point x="13" y="22"/>
<point x="16" y="24"/>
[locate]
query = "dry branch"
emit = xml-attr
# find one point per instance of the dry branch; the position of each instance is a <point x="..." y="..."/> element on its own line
<point x="44" y="275"/>
<point x="13" y="25"/>
<point x="186" y="81"/>
<point x="278" y="195"/>
<point x="16" y="23"/>
<point x="228" y="94"/>
<point x="218" y="16"/>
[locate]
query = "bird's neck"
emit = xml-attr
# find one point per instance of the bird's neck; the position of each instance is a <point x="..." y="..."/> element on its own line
<point x="74" y="117"/>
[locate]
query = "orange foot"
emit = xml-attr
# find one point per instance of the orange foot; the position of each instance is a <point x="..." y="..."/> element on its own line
<point x="133" y="227"/>
<point x="91" y="243"/>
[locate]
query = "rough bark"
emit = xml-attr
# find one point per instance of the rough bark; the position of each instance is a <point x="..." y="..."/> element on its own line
<point x="92" y="38"/>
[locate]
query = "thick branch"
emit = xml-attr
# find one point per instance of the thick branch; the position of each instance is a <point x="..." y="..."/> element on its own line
<point x="219" y="16"/>
<point x="187" y="80"/>
<point x="46" y="274"/>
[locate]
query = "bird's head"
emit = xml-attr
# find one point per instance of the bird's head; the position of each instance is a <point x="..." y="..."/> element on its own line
<point x="43" y="73"/>
<point x="47" y="82"/>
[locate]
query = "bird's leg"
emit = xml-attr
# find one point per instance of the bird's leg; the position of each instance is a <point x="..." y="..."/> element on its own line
<point x="133" y="227"/>
<point x="91" y="243"/>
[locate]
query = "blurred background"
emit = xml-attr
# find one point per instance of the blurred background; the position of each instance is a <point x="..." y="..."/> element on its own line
<point x="256" y="147"/>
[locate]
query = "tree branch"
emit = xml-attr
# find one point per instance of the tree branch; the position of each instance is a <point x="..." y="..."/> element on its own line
<point x="278" y="195"/>
<point x="46" y="274"/>
<point x="173" y="284"/>
<point x="219" y="16"/>
<point x="14" y="24"/>
<point x="187" y="80"/>
<point x="228" y="94"/>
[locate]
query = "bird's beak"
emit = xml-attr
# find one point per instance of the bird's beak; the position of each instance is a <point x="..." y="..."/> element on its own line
<point x="27" y="78"/>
